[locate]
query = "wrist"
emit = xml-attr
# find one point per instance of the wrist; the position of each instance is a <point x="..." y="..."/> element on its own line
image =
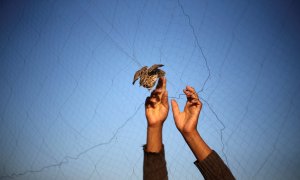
<point x="155" y="128"/>
<point x="190" y="134"/>
<point x="155" y="125"/>
<point x="199" y="148"/>
<point x="154" y="138"/>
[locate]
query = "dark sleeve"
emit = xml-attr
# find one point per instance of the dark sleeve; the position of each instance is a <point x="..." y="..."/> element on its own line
<point x="213" y="167"/>
<point x="155" y="165"/>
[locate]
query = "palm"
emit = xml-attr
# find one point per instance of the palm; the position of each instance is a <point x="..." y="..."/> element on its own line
<point x="156" y="106"/>
<point x="156" y="114"/>
<point x="187" y="120"/>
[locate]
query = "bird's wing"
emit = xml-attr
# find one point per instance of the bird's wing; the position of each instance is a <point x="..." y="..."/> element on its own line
<point x="138" y="74"/>
<point x="154" y="67"/>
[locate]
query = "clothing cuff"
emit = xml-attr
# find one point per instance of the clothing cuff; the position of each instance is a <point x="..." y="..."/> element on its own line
<point x="154" y="156"/>
<point x="213" y="167"/>
<point x="155" y="165"/>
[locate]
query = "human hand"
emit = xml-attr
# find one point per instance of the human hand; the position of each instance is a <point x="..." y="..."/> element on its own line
<point x="156" y="105"/>
<point x="186" y="121"/>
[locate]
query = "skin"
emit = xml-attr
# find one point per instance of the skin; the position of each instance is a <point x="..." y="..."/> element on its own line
<point x="156" y="110"/>
<point x="186" y="122"/>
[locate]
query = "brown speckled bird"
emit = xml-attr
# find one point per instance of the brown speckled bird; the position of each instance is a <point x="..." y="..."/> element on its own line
<point x="149" y="76"/>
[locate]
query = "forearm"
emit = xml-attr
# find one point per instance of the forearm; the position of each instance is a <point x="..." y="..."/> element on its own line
<point x="154" y="156"/>
<point x="200" y="149"/>
<point x="154" y="159"/>
<point x="154" y="138"/>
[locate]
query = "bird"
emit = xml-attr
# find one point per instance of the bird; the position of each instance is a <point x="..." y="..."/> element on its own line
<point x="148" y="76"/>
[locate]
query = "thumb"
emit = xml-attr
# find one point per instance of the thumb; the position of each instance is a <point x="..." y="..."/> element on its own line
<point x="175" y="109"/>
<point x="164" y="99"/>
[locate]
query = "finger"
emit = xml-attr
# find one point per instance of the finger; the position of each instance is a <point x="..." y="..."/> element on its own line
<point x="175" y="109"/>
<point x="164" y="99"/>
<point x="190" y="94"/>
<point x="150" y="102"/>
<point x="164" y="83"/>
<point x="154" y="100"/>
<point x="147" y="102"/>
<point x="156" y="94"/>
<point x="191" y="89"/>
<point x="160" y="83"/>
<point x="187" y="93"/>
<point x="194" y="96"/>
<point x="196" y="102"/>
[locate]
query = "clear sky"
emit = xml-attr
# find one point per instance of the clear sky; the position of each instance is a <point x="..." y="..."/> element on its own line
<point x="68" y="109"/>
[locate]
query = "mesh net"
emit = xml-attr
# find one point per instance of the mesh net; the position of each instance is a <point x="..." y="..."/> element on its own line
<point x="69" y="111"/>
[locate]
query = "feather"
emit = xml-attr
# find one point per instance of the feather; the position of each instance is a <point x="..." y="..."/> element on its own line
<point x="154" y="68"/>
<point x="138" y="74"/>
<point x="148" y="77"/>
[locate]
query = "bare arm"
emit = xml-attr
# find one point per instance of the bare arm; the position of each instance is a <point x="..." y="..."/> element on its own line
<point x="208" y="161"/>
<point x="157" y="108"/>
<point x="187" y="121"/>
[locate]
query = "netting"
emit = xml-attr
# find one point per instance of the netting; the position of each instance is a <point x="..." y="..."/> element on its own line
<point x="69" y="110"/>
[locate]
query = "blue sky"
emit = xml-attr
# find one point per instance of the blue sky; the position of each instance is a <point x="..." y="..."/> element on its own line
<point x="69" y="110"/>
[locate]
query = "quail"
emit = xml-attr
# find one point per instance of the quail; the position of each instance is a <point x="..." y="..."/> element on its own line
<point x="148" y="76"/>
